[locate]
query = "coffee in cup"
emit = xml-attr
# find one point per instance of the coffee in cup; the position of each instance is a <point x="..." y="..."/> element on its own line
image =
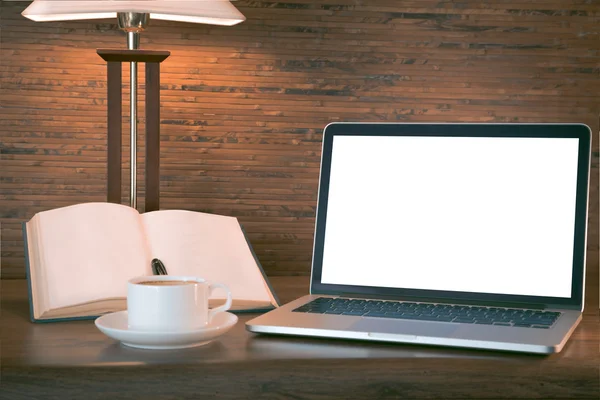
<point x="166" y="283"/>
<point x="171" y="303"/>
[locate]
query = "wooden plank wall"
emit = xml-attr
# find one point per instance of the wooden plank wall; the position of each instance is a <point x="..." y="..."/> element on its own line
<point x="243" y="107"/>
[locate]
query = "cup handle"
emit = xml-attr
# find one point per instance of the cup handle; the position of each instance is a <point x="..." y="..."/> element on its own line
<point x="214" y="311"/>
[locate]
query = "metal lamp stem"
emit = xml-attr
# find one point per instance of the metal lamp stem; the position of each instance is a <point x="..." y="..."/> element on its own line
<point x="133" y="24"/>
<point x="133" y="43"/>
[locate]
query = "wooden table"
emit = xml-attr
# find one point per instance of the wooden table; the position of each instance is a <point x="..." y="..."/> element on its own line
<point x="71" y="360"/>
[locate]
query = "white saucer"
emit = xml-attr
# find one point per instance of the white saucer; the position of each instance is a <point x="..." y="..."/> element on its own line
<point x="114" y="325"/>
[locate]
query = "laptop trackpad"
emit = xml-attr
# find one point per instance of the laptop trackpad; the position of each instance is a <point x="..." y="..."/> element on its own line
<point x="404" y="327"/>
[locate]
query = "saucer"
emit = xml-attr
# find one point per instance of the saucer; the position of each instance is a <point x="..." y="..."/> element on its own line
<point x="115" y="326"/>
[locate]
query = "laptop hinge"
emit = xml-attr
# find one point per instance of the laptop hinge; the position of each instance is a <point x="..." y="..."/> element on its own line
<point x="576" y="307"/>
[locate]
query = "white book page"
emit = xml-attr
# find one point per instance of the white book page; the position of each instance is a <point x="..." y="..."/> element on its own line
<point x="90" y="251"/>
<point x="212" y="247"/>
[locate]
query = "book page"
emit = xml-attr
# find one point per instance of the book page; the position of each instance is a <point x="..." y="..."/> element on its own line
<point x="209" y="246"/>
<point x="90" y="251"/>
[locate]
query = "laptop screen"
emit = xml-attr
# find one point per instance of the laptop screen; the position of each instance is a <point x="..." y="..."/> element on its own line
<point x="470" y="214"/>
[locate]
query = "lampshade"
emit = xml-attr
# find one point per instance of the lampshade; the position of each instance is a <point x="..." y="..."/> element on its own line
<point x="216" y="12"/>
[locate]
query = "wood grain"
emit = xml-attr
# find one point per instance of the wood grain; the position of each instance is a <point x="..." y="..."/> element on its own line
<point x="243" y="107"/>
<point x="73" y="360"/>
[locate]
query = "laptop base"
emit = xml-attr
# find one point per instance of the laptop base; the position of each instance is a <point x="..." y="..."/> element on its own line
<point x="283" y="321"/>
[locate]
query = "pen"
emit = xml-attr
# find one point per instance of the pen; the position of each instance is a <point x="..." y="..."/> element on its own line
<point x="158" y="268"/>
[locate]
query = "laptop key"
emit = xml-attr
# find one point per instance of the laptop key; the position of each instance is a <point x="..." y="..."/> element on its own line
<point x="376" y="314"/>
<point x="393" y="315"/>
<point x="409" y="314"/>
<point x="428" y="318"/>
<point x="502" y="323"/>
<point x="356" y="313"/>
<point x="463" y="320"/>
<point x="542" y="322"/>
<point x="534" y="322"/>
<point x="413" y="316"/>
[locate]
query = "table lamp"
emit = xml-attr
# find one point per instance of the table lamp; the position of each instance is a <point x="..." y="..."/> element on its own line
<point x="133" y="17"/>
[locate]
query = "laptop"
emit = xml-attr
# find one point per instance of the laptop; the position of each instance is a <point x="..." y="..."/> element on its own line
<point x="465" y="235"/>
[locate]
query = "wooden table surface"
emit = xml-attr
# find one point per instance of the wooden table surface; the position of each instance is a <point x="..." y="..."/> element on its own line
<point x="70" y="360"/>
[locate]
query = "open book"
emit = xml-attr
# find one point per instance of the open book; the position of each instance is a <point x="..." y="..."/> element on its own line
<point x="79" y="258"/>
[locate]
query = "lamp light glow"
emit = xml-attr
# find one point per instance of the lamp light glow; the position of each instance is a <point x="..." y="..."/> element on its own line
<point x="133" y="17"/>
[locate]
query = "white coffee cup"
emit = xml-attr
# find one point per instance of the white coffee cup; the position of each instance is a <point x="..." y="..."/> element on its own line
<point x="171" y="303"/>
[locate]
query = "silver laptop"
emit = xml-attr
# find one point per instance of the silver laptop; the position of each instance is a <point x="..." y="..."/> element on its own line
<point x="467" y="235"/>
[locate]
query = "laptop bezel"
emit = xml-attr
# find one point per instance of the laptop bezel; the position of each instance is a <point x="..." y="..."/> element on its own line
<point x="548" y="130"/>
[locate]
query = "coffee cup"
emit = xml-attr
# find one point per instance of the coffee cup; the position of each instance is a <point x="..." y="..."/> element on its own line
<point x="171" y="303"/>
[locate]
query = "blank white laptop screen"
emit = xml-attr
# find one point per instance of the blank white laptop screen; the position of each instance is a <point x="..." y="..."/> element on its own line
<point x="468" y="214"/>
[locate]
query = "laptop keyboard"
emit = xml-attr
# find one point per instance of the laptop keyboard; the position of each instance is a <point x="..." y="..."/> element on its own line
<point x="432" y="312"/>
